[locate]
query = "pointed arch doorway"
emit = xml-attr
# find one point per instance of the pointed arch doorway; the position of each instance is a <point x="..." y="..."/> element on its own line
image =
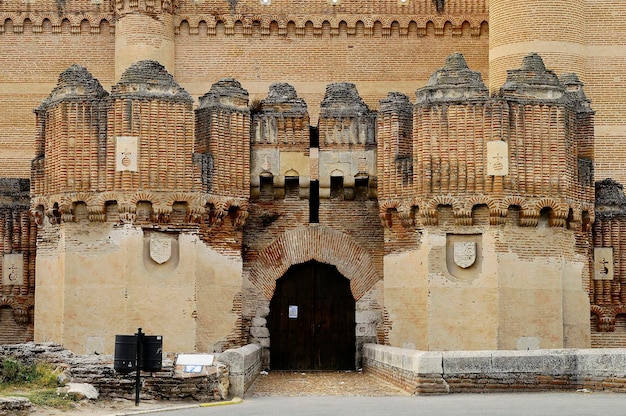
<point x="312" y="320"/>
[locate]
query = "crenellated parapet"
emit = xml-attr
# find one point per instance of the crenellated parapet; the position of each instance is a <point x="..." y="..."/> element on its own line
<point x="71" y="135"/>
<point x="149" y="7"/>
<point x="124" y="157"/>
<point x="347" y="140"/>
<point x="530" y="148"/>
<point x="281" y="119"/>
<point x="334" y="18"/>
<point x="281" y="137"/>
<point x="345" y="121"/>
<point x="222" y="143"/>
<point x="388" y="18"/>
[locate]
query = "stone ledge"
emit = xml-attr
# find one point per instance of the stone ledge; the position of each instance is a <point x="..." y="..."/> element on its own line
<point x="432" y="372"/>
<point x="245" y="365"/>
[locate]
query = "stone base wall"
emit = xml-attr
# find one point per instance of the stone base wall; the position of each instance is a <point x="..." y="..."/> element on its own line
<point x="244" y="365"/>
<point x="422" y="372"/>
<point x="98" y="371"/>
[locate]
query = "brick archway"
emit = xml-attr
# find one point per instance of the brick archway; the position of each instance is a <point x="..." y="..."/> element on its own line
<point x="322" y="244"/>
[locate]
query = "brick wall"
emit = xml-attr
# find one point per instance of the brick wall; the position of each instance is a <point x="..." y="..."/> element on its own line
<point x="592" y="51"/>
<point x="310" y="44"/>
<point x="18" y="236"/>
<point x="33" y="59"/>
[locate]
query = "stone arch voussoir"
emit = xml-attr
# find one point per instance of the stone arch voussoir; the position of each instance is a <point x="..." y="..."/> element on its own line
<point x="314" y="243"/>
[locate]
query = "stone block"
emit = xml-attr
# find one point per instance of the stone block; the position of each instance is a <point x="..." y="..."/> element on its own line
<point x="241" y="358"/>
<point x="418" y="362"/>
<point x="365" y="330"/>
<point x="367" y="317"/>
<point x="15" y="406"/>
<point x="605" y="361"/>
<point x="464" y="362"/>
<point x="256" y="321"/>
<point x="79" y="391"/>
<point x="550" y="362"/>
<point x="259" y="332"/>
<point x="263" y="311"/>
<point x="518" y="361"/>
<point x="262" y="342"/>
<point x="429" y="362"/>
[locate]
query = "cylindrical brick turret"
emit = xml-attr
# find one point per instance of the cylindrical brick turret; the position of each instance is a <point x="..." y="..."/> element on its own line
<point x="552" y="28"/>
<point x="144" y="30"/>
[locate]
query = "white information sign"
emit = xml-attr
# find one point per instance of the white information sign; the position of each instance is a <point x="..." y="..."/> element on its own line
<point x="194" y="363"/>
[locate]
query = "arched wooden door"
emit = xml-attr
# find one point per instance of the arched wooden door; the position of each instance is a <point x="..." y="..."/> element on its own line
<point x="311" y="320"/>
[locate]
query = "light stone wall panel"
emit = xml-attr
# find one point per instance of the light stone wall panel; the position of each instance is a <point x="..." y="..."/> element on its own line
<point x="101" y="302"/>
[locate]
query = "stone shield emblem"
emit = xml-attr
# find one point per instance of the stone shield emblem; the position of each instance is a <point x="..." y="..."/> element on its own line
<point x="464" y="253"/>
<point x="160" y="249"/>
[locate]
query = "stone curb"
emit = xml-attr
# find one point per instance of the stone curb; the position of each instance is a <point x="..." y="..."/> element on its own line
<point x="234" y="400"/>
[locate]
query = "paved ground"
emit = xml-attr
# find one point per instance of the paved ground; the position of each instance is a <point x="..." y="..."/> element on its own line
<point x="340" y="383"/>
<point x="355" y="393"/>
<point x="497" y="404"/>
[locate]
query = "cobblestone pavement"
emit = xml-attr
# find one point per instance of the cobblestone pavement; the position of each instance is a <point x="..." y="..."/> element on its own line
<point x="337" y="383"/>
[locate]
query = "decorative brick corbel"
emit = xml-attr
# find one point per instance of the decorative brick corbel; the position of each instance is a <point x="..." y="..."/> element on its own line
<point x="53" y="216"/>
<point x="606" y="324"/>
<point x="240" y="218"/>
<point x="406" y="216"/>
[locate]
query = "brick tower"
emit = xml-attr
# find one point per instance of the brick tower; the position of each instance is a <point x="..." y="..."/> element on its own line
<point x="492" y="190"/>
<point x="555" y="29"/>
<point x="116" y="179"/>
<point x="144" y="30"/>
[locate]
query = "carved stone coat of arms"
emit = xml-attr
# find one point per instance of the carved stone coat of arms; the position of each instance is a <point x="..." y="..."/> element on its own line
<point x="160" y="249"/>
<point x="464" y="253"/>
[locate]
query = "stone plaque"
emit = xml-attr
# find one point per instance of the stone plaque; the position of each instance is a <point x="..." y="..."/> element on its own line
<point x="13" y="269"/>
<point x="126" y="153"/>
<point x="160" y="249"/>
<point x="603" y="263"/>
<point x="464" y="253"/>
<point x="263" y="161"/>
<point x="497" y="158"/>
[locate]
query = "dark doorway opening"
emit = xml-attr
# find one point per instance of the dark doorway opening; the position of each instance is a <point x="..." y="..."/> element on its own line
<point x="311" y="323"/>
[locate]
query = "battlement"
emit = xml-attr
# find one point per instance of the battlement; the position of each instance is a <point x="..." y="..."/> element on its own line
<point x="249" y="17"/>
<point x="528" y="147"/>
<point x="455" y="147"/>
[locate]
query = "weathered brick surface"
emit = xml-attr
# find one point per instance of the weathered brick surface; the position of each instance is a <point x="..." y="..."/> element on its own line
<point x="608" y="297"/>
<point x="453" y="170"/>
<point x="18" y="235"/>
<point x="203" y="174"/>
<point x="299" y="42"/>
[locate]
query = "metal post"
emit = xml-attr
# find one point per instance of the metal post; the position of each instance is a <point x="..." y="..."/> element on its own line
<point x="139" y="359"/>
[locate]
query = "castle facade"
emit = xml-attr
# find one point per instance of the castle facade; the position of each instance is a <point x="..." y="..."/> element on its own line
<point x="313" y="176"/>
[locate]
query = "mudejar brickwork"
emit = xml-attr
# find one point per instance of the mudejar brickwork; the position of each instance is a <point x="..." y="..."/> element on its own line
<point x="190" y="162"/>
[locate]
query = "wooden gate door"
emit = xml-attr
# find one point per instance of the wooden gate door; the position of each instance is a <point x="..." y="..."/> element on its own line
<point x="311" y="320"/>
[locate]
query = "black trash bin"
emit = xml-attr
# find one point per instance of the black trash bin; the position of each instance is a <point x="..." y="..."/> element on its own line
<point x="152" y="353"/>
<point x="125" y="353"/>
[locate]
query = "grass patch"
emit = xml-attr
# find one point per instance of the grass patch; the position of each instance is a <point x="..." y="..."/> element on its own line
<point x="37" y="382"/>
